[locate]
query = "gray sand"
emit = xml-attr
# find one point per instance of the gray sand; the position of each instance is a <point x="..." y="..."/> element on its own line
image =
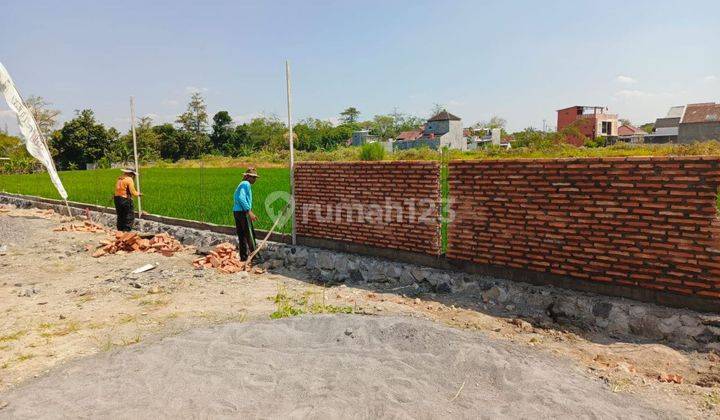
<point x="323" y="367"/>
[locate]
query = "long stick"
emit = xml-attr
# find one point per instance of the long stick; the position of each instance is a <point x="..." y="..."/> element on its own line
<point x="292" y="150"/>
<point x="67" y="206"/>
<point x="137" y="167"/>
<point x="264" y="241"/>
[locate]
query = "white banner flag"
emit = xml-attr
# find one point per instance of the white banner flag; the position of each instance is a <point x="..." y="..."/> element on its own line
<point x="29" y="129"/>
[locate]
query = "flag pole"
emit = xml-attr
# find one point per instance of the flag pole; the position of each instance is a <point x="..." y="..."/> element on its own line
<point x="137" y="167"/>
<point x="292" y="150"/>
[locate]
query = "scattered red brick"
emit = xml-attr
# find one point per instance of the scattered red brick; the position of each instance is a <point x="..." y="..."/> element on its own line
<point x="225" y="259"/>
<point x="671" y="378"/>
<point x="124" y="242"/>
<point x="45" y="213"/>
<point x="86" y="226"/>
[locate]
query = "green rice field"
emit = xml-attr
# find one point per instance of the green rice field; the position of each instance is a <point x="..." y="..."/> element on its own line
<point x="187" y="193"/>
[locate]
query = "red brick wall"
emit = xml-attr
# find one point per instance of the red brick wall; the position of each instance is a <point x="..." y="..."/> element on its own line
<point x="640" y="222"/>
<point x="384" y="192"/>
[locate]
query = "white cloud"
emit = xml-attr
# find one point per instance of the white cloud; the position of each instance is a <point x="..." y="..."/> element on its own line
<point x="711" y="78"/>
<point x="170" y="102"/>
<point x="193" y="89"/>
<point x="635" y="93"/>
<point x="625" y="79"/>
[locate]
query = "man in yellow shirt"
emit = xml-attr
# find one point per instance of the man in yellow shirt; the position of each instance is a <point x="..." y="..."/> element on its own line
<point x="124" y="193"/>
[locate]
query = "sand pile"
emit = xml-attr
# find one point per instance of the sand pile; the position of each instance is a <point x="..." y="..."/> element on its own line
<point x="323" y="367"/>
<point x="124" y="242"/>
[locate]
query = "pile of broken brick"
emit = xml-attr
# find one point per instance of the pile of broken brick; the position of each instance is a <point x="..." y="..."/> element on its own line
<point x="225" y="259"/>
<point x="125" y="242"/>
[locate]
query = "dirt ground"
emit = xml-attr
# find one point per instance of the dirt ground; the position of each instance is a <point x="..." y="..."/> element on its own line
<point x="59" y="304"/>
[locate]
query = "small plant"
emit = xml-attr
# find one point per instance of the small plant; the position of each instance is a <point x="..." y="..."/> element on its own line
<point x="372" y="151"/>
<point x="284" y="306"/>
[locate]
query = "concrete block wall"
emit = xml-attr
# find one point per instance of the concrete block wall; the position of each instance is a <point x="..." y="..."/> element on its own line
<point x="385" y="204"/>
<point x="643" y="222"/>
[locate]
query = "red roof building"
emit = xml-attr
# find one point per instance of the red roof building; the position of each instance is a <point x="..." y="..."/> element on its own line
<point x="410" y="135"/>
<point x="591" y="121"/>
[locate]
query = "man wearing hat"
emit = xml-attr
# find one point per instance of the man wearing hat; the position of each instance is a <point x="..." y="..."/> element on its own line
<point x="244" y="217"/>
<point x="124" y="193"/>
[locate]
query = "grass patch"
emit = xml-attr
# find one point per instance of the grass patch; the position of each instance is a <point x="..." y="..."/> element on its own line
<point x="286" y="306"/>
<point x="13" y="336"/>
<point x="712" y="400"/>
<point x="69" y="328"/>
<point x="188" y="193"/>
<point x="24" y="356"/>
<point x="154" y="303"/>
<point x="127" y="318"/>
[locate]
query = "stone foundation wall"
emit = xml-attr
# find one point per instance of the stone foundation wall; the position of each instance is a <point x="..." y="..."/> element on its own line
<point x="538" y="304"/>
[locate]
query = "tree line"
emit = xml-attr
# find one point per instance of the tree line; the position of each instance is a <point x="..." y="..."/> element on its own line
<point x="84" y="139"/>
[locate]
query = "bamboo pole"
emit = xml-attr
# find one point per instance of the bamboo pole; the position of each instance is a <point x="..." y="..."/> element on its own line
<point x="135" y="153"/>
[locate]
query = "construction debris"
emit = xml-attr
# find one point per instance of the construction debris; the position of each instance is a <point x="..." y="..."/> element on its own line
<point x="225" y="259"/>
<point x="87" y="226"/>
<point x="144" y="268"/>
<point x="124" y="242"/>
<point x="671" y="378"/>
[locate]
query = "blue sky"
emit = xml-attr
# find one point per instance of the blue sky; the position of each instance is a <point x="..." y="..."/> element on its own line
<point x="521" y="60"/>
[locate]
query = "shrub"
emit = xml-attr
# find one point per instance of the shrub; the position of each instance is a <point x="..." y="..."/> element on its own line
<point x="372" y="151"/>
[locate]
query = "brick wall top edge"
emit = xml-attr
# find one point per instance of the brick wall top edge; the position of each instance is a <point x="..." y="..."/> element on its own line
<point x="590" y="160"/>
<point x="360" y="162"/>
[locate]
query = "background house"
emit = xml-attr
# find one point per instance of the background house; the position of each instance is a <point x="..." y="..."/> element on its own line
<point x="700" y="122"/>
<point x="666" y="128"/>
<point x="361" y="137"/>
<point x="591" y="121"/>
<point x="631" y="134"/>
<point x="480" y="138"/>
<point x="442" y="130"/>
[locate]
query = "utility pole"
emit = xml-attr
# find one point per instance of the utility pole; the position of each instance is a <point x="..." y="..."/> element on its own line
<point x="292" y="150"/>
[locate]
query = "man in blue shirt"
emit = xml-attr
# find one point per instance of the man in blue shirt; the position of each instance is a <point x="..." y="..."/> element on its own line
<point x="244" y="217"/>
